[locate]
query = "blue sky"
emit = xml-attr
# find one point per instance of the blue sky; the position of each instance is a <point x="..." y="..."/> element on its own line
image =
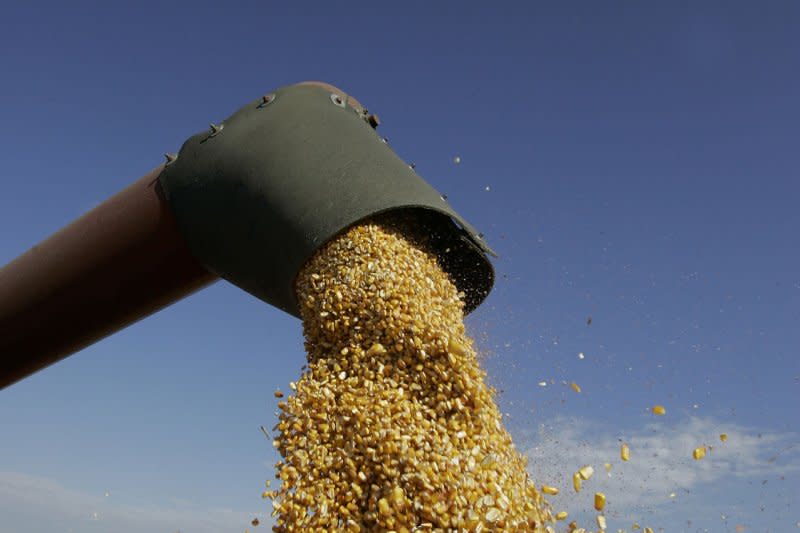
<point x="636" y="164"/>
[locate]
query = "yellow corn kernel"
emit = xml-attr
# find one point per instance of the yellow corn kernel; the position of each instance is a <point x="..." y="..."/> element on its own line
<point x="575" y="387"/>
<point x="599" y="501"/>
<point x="601" y="521"/>
<point x="636" y="527"/>
<point x="659" y="410"/>
<point x="376" y="349"/>
<point x="547" y="489"/>
<point x="456" y="348"/>
<point x="561" y="515"/>
<point x="398" y="497"/>
<point x="699" y="453"/>
<point x="383" y="507"/>
<point x="586" y="472"/>
<point x="625" y="452"/>
<point x="723" y="437"/>
<point x="489" y="461"/>
<point x="576" y="481"/>
<point x="608" y="467"/>
<point x="648" y="530"/>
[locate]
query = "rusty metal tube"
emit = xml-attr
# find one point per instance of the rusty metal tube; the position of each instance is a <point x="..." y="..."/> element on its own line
<point x="118" y="263"/>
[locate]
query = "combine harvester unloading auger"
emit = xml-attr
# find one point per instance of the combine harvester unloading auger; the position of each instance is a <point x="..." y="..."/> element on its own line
<point x="250" y="201"/>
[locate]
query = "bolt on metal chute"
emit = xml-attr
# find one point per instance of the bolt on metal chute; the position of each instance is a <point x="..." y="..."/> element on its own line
<point x="249" y="200"/>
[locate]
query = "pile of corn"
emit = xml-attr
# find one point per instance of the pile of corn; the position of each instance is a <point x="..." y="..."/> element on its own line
<point x="391" y="427"/>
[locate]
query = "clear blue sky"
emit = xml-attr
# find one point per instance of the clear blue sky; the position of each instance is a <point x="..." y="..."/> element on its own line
<point x="636" y="164"/>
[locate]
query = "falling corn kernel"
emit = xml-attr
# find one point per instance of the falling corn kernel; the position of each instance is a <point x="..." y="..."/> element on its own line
<point x="599" y="501"/>
<point x="383" y="507"/>
<point x="659" y="410"/>
<point x="723" y="437"/>
<point x="586" y="472"/>
<point x="636" y="527"/>
<point x="359" y="452"/>
<point x="376" y="350"/>
<point x="278" y="394"/>
<point x="608" y="467"/>
<point x="489" y="461"/>
<point x="265" y="494"/>
<point x="576" y="481"/>
<point x="457" y="348"/>
<point x="601" y="521"/>
<point x="575" y="387"/>
<point x="398" y="497"/>
<point x="648" y="530"/>
<point x="699" y="453"/>
<point x="625" y="452"/>
<point x="255" y="522"/>
<point x="547" y="489"/>
<point x="561" y="515"/>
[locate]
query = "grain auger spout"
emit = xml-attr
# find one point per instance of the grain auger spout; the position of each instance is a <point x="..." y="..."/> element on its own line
<point x="249" y="200"/>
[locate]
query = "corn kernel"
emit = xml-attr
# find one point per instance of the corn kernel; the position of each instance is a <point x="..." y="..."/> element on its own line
<point x="457" y="348"/>
<point x="599" y="501"/>
<point x="575" y="387"/>
<point x="699" y="453"/>
<point x="376" y="350"/>
<point x="547" y="489"/>
<point x="489" y="461"/>
<point x="561" y="515"/>
<point x="601" y="521"/>
<point x="586" y="472"/>
<point x="723" y="437"/>
<point x="398" y="497"/>
<point x="659" y="410"/>
<point x="576" y="481"/>
<point x="492" y="515"/>
<point x="383" y="507"/>
<point x="625" y="452"/>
